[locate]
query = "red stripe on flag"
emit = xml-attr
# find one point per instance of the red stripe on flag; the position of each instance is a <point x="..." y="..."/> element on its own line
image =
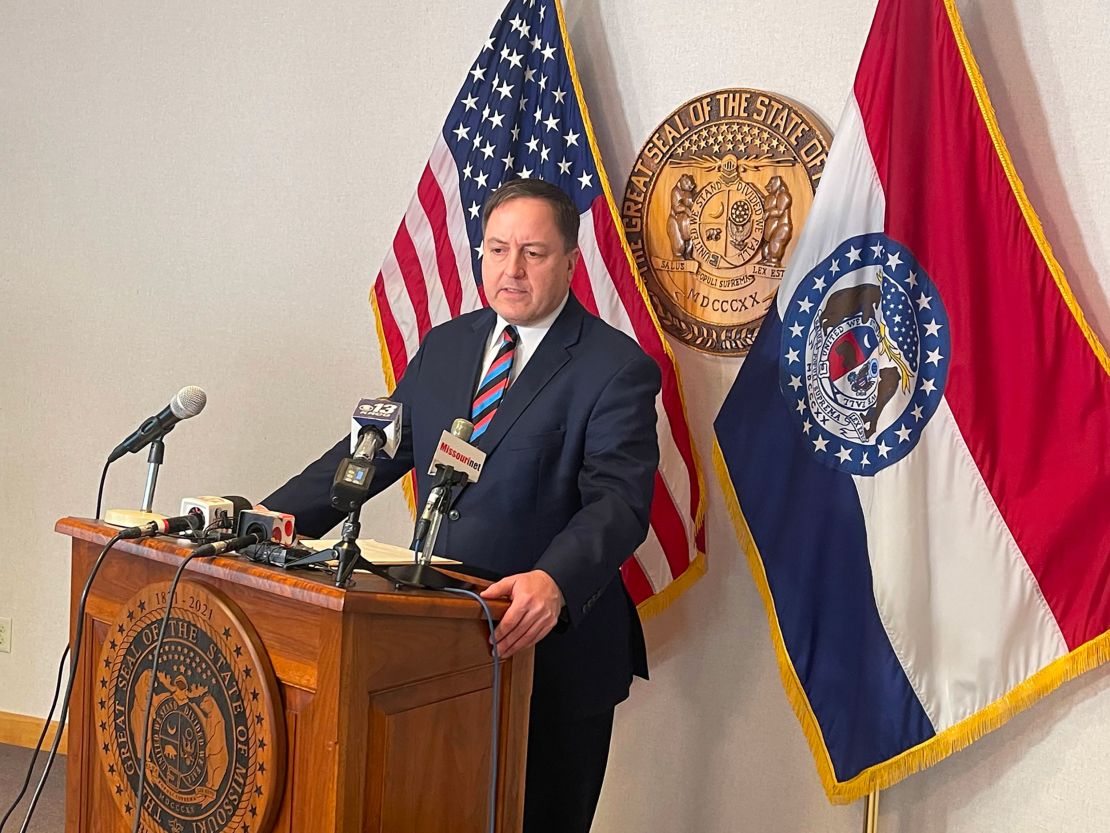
<point x="394" y="342"/>
<point x="580" y="284"/>
<point x="668" y="527"/>
<point x="1030" y="397"/>
<point x="431" y="198"/>
<point x="648" y="336"/>
<point x="636" y="580"/>
<point x="409" y="264"/>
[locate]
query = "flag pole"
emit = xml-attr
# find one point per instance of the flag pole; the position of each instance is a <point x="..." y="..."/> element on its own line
<point x="871" y="812"/>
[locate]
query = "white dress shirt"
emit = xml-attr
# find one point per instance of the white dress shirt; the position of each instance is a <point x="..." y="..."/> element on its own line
<point x="529" y="339"/>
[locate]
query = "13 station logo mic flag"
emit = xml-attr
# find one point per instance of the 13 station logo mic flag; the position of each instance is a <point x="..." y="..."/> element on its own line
<point x="915" y="449"/>
<point x="520" y="113"/>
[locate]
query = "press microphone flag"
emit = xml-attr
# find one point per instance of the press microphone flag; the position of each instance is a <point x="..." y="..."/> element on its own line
<point x="453" y="452"/>
<point x="188" y="402"/>
<point x="382" y="415"/>
<point x="454" y="460"/>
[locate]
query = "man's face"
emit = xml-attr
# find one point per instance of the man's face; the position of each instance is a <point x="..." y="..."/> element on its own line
<point x="526" y="269"/>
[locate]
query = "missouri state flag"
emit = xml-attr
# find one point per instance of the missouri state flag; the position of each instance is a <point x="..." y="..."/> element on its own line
<point x="918" y="443"/>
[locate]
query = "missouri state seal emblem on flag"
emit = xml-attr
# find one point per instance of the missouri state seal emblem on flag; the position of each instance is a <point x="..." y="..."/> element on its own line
<point x="864" y="354"/>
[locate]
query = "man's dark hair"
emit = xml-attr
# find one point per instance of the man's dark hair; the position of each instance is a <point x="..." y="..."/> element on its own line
<point x="566" y="215"/>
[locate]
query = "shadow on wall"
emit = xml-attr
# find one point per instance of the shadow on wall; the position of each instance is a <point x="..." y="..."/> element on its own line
<point x="593" y="57"/>
<point x="932" y="801"/>
<point x="997" y="41"/>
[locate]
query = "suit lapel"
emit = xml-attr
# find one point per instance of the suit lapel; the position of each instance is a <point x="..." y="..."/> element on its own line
<point x="548" y="359"/>
<point x="457" y="393"/>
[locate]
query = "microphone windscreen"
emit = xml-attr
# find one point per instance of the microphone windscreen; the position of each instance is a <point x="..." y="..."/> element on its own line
<point x="463" y="429"/>
<point x="188" y="402"/>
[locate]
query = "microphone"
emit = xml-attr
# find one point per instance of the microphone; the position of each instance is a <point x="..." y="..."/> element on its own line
<point x="216" y="512"/>
<point x="188" y="402"/>
<point x="277" y="527"/>
<point x="163" y="526"/>
<point x="453" y="449"/>
<point x="229" y="545"/>
<point x="375" y="426"/>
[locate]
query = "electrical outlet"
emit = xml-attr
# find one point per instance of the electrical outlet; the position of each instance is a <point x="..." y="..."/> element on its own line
<point x="6" y="634"/>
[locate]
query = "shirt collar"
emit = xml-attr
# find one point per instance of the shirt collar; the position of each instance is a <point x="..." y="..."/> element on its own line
<point x="532" y="333"/>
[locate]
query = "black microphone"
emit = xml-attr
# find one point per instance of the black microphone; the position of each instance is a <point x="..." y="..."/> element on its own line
<point x="445" y="475"/>
<point x="188" y="402"/>
<point x="375" y="427"/>
<point x="165" y="526"/>
<point x="229" y="545"/>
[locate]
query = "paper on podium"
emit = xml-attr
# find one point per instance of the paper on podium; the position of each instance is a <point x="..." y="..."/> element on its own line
<point x="376" y="552"/>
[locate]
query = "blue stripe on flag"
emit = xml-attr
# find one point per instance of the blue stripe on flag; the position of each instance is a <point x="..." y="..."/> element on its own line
<point x="808" y="526"/>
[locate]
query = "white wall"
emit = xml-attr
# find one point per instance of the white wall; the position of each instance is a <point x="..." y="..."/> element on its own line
<point x="201" y="193"/>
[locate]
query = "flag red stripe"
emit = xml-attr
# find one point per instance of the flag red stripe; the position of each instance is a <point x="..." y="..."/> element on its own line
<point x="636" y="580"/>
<point x="1029" y="395"/>
<point x="650" y="340"/>
<point x="668" y="527"/>
<point x="580" y="283"/>
<point x="409" y="265"/>
<point x="394" y="342"/>
<point x="431" y="198"/>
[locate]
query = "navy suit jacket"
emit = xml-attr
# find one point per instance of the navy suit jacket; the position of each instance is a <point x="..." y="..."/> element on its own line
<point x="566" y="487"/>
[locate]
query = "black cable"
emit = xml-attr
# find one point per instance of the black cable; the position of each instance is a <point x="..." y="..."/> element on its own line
<point x="75" y="656"/>
<point x="494" y="722"/>
<point x="99" y="495"/>
<point x="42" y="737"/>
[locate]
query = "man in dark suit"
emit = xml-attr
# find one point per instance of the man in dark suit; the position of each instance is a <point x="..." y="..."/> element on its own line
<point x="564" y="407"/>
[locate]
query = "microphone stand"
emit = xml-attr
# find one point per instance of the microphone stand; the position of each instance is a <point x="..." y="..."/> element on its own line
<point x="347" y="552"/>
<point x="421" y="574"/>
<point x="154" y="459"/>
<point x="350" y="490"/>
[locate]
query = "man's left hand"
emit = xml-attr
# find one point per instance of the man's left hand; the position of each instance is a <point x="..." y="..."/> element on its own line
<point x="535" y="602"/>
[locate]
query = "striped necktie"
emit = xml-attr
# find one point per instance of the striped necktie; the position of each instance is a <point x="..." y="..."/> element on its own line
<point x="494" y="383"/>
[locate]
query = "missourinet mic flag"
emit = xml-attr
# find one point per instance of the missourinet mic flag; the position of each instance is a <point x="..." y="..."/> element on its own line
<point x="916" y="448"/>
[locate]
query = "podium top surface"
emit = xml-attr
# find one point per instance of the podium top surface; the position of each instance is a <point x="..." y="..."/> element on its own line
<point x="365" y="594"/>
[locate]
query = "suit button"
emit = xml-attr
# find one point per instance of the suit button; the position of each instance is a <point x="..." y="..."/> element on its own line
<point x="454" y="515"/>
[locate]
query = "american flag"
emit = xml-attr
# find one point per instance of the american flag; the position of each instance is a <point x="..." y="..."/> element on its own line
<point x="520" y="113"/>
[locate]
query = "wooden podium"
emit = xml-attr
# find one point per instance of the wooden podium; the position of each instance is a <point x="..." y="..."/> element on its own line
<point x="382" y="708"/>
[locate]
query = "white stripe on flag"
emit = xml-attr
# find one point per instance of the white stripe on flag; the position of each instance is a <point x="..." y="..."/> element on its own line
<point x="400" y="304"/>
<point x="964" y="612"/>
<point x="654" y="562"/>
<point x="853" y="204"/>
<point x="447" y="177"/>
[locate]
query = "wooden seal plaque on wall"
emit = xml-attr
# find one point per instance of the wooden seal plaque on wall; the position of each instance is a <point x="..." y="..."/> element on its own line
<point x="713" y="208"/>
<point x="215" y="750"/>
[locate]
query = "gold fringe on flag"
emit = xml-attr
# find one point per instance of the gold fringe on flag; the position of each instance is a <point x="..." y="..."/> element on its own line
<point x="890" y="772"/>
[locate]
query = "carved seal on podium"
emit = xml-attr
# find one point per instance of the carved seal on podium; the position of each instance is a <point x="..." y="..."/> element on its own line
<point x="215" y="740"/>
